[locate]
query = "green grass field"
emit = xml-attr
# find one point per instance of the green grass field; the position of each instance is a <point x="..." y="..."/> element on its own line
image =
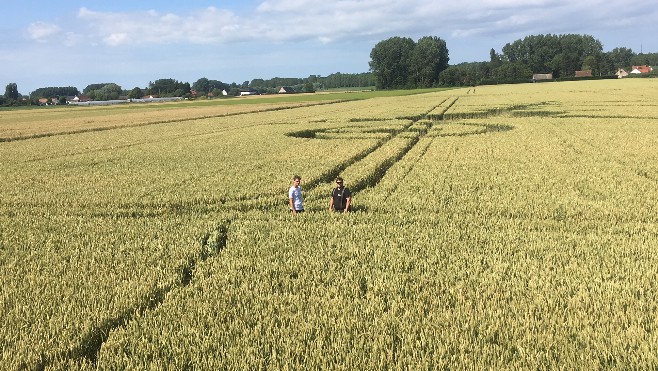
<point x="497" y="227"/>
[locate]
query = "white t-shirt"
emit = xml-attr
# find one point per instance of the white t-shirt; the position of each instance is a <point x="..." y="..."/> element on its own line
<point x="296" y="194"/>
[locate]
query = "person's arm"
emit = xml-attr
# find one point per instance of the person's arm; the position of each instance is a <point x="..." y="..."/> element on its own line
<point x="331" y="202"/>
<point x="291" y="201"/>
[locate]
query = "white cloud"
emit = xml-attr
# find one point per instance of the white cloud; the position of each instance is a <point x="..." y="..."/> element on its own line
<point x="328" y="22"/>
<point x="150" y="27"/>
<point x="73" y="39"/>
<point x="116" y="39"/>
<point x="41" y="31"/>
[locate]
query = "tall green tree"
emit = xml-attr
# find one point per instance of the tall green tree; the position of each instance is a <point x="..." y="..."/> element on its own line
<point x="52" y="92"/>
<point x="428" y="58"/>
<point x="512" y="72"/>
<point x="11" y="92"/>
<point x="621" y="57"/>
<point x="347" y="80"/>
<point x="574" y="49"/>
<point x="202" y="86"/>
<point x="169" y="88"/>
<point x="136" y="93"/>
<point x="92" y="87"/>
<point x="494" y="58"/>
<point x="560" y="54"/>
<point x="453" y="76"/>
<point x="649" y="59"/>
<point x="535" y="51"/>
<point x="389" y="62"/>
<point x="591" y="63"/>
<point x="108" y="91"/>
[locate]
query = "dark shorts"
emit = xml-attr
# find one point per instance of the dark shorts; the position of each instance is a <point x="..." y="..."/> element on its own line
<point x="299" y="211"/>
<point x="339" y="210"/>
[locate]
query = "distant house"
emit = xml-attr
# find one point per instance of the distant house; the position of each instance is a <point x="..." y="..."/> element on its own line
<point x="224" y="92"/>
<point x="542" y="76"/>
<point x="621" y="73"/>
<point x="584" y="73"/>
<point x="248" y="92"/>
<point x="77" y="99"/>
<point x="641" y="69"/>
<point x="286" y="90"/>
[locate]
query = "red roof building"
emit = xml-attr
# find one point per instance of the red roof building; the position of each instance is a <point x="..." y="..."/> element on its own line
<point x="642" y="69"/>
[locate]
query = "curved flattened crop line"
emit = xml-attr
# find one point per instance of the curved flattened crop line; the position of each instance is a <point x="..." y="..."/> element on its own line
<point x="332" y="173"/>
<point x="478" y="129"/>
<point x="368" y="119"/>
<point x="375" y="178"/>
<point x="516" y="110"/>
<point x="210" y="245"/>
<point x="304" y="134"/>
<point x="335" y="133"/>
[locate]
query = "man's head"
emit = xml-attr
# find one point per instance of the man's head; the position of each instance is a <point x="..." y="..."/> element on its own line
<point x="339" y="181"/>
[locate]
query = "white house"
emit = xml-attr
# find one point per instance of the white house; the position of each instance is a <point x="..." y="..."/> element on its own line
<point x="621" y="73"/>
<point x="641" y="69"/>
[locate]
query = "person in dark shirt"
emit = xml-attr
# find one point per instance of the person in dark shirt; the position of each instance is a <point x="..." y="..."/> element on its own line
<point x="341" y="198"/>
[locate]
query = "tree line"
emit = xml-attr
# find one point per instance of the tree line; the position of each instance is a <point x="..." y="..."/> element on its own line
<point x="400" y="63"/>
<point x="559" y="55"/>
<point x="396" y="63"/>
<point x="203" y="87"/>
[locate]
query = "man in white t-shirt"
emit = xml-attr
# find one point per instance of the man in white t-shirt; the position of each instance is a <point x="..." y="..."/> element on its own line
<point x="295" y="195"/>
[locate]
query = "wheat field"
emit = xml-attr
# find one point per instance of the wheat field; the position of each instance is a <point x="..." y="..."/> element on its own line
<point x="494" y="227"/>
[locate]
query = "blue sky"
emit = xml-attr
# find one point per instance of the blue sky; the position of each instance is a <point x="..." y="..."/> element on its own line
<point x="77" y="43"/>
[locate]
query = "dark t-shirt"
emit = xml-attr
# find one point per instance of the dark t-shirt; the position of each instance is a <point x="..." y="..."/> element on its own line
<point x="340" y="196"/>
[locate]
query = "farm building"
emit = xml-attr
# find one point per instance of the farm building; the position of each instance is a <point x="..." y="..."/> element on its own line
<point x="621" y="73"/>
<point x="248" y="92"/>
<point x="76" y="99"/>
<point x="286" y="90"/>
<point x="641" y="69"/>
<point x="542" y="76"/>
<point x="584" y="73"/>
